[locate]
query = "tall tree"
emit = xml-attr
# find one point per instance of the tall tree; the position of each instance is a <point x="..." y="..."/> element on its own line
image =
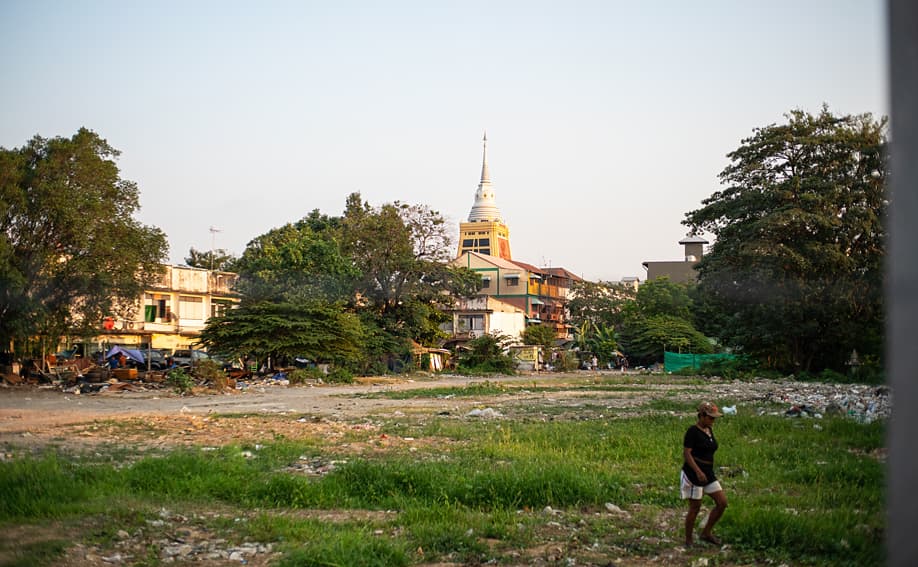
<point x="660" y="296"/>
<point x="379" y="269"/>
<point x="660" y="319"/>
<point x="599" y="303"/>
<point x="298" y="261"/>
<point x="400" y="252"/>
<point x="795" y="274"/>
<point x="323" y="332"/>
<point x="69" y="245"/>
<point x="218" y="259"/>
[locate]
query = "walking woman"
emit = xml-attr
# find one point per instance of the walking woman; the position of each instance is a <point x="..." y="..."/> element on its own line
<point x="697" y="478"/>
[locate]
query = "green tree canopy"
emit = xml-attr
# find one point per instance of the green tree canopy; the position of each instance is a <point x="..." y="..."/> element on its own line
<point x="540" y="335"/>
<point x="794" y="277"/>
<point x="298" y="261"/>
<point x="323" y="332"/>
<point x="218" y="259"/>
<point x="648" y="337"/>
<point x="381" y="265"/>
<point x="660" y="296"/>
<point x="399" y="251"/>
<point x="70" y="247"/>
<point x="600" y="303"/>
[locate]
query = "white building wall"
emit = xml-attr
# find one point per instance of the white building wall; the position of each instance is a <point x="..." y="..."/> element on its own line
<point x="510" y="324"/>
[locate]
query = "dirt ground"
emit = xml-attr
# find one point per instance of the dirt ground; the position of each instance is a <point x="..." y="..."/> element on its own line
<point x="150" y="417"/>
<point x="35" y="416"/>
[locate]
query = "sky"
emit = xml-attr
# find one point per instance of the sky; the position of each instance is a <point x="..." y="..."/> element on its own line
<point x="606" y="120"/>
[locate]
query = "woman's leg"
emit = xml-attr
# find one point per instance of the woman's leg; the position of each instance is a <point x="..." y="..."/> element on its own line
<point x="720" y="504"/>
<point x="693" y="507"/>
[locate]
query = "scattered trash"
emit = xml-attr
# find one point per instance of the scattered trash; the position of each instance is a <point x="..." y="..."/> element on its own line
<point x="863" y="403"/>
<point x="800" y="411"/>
<point x="729" y="410"/>
<point x="487" y="413"/>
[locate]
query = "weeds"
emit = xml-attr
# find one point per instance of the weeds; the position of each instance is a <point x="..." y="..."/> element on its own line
<point x="484" y="492"/>
<point x="180" y="380"/>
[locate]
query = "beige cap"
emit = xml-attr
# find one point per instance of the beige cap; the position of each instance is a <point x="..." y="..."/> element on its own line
<point x="707" y="408"/>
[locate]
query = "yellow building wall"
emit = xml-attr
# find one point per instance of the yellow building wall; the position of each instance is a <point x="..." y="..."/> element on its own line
<point x="492" y="238"/>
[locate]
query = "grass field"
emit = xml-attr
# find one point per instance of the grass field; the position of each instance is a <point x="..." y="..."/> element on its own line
<point x="530" y="487"/>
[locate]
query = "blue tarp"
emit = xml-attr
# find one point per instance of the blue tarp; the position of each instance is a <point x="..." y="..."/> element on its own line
<point x="133" y="354"/>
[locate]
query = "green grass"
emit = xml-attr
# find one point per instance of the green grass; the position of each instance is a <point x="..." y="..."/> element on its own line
<point x="478" y="492"/>
<point x="488" y="388"/>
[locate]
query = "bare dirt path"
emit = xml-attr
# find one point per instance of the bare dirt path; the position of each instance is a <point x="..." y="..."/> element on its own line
<point x="34" y="416"/>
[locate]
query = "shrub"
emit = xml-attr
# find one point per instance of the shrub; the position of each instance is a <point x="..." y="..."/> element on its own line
<point x="487" y="354"/>
<point x="566" y="361"/>
<point x="741" y="367"/>
<point x="303" y="375"/>
<point x="178" y="379"/>
<point x="339" y="376"/>
<point x="211" y="372"/>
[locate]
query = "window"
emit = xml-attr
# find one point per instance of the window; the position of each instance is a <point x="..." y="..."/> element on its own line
<point x="471" y="323"/>
<point x="467" y="243"/>
<point x="156" y="306"/>
<point x="219" y="308"/>
<point x="191" y="308"/>
<point x="485" y="282"/>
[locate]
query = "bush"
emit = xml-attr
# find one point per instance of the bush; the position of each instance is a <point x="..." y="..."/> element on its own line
<point x="567" y="361"/>
<point x="178" y="379"/>
<point x="339" y="376"/>
<point x="487" y="354"/>
<point x="303" y="375"/>
<point x="860" y="375"/>
<point x="211" y="372"/>
<point x="739" y="368"/>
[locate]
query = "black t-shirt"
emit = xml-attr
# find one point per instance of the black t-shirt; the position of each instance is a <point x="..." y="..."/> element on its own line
<point x="703" y="448"/>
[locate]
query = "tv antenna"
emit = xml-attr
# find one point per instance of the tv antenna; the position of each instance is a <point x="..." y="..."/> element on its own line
<point x="213" y="239"/>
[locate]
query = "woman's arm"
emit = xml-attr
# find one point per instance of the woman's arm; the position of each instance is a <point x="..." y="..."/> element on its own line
<point x="687" y="455"/>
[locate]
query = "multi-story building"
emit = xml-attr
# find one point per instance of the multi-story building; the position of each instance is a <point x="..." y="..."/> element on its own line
<point x="679" y="271"/>
<point x="174" y="310"/>
<point x="513" y="294"/>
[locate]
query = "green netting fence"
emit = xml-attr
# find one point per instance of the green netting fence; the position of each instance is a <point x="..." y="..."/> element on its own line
<point x="674" y="361"/>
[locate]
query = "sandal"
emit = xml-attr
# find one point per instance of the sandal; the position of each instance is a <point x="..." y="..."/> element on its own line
<point x="712" y="539"/>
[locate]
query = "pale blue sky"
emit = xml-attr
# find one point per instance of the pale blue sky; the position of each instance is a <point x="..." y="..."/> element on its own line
<point x="606" y="120"/>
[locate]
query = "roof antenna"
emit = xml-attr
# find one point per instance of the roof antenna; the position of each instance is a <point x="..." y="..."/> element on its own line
<point x="213" y="238"/>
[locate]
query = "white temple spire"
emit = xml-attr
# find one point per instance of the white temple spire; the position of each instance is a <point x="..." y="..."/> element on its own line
<point x="485" y="174"/>
<point x="485" y="208"/>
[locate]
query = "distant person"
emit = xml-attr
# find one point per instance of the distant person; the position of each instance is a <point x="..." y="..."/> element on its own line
<point x="624" y="364"/>
<point x="697" y="477"/>
<point x="595" y="363"/>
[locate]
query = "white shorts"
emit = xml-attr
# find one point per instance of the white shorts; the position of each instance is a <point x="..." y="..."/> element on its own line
<point x="695" y="492"/>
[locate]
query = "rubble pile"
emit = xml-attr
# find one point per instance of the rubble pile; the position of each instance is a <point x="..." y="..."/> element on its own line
<point x="98" y="380"/>
<point x="177" y="539"/>
<point x="857" y="401"/>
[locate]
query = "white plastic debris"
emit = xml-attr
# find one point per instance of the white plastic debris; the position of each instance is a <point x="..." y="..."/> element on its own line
<point x="486" y="413"/>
